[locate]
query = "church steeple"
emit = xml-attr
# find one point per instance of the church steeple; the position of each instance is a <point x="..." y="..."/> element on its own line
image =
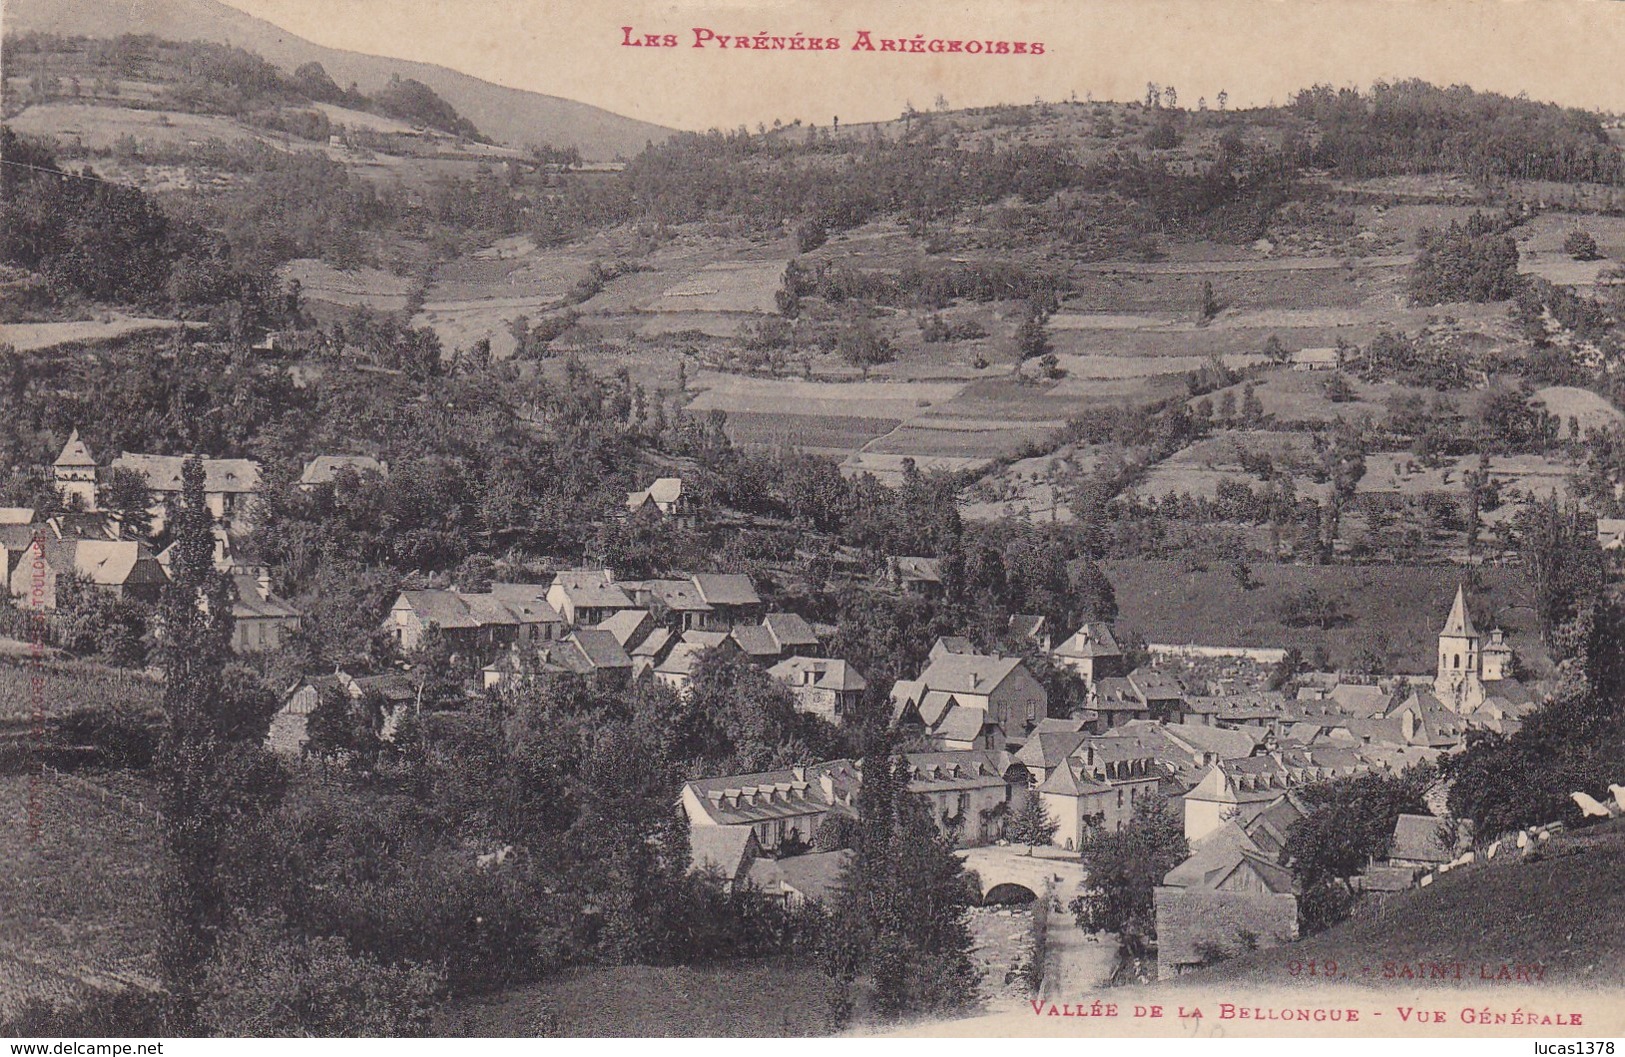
<point x="1460" y="622"/>
<point x="1458" y="683"/>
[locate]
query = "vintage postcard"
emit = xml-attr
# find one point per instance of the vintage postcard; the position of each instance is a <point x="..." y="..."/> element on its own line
<point x="707" y="518"/>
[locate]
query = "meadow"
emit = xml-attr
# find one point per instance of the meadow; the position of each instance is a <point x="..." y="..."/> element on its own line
<point x="1395" y="611"/>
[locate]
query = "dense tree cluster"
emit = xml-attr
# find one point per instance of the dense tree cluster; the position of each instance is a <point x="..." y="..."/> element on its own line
<point x="1415" y="127"/>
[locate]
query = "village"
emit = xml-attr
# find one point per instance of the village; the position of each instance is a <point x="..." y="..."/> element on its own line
<point x="476" y="563"/>
<point x="1199" y="724"/>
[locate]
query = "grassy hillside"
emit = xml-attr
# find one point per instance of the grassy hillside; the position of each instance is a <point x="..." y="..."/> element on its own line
<point x="508" y="114"/>
<point x="1395" y="611"/>
<point x="771" y="998"/>
<point x="1565" y="912"/>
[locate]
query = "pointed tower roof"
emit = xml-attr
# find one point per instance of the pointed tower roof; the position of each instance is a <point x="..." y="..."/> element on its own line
<point x="74" y="453"/>
<point x="1460" y="622"/>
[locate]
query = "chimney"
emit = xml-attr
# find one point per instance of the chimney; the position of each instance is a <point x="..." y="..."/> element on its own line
<point x="800" y="772"/>
<point x="262" y="583"/>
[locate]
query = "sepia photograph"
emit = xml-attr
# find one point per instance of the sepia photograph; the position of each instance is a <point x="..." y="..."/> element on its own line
<point x="759" y="519"/>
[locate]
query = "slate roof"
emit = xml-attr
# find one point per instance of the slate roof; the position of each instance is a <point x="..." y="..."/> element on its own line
<point x="624" y="624"/>
<point x="74" y="453"/>
<point x="1047" y="749"/>
<point x="600" y="648"/>
<point x="827" y="674"/>
<point x="1460" y="622"/>
<point x="726" y="849"/>
<point x="1416" y="837"/>
<point x="163" y="472"/>
<point x="790" y="630"/>
<point x="756" y="641"/>
<point x="1094" y="639"/>
<point x="960" y="723"/>
<point x="680" y="596"/>
<point x="527" y="602"/>
<point x="912" y="569"/>
<point x="814" y="875"/>
<point x="324" y="469"/>
<point x="247" y="603"/>
<point x="112" y="563"/>
<point x="726" y="589"/>
<point x="592" y="590"/>
<point x="1153" y="685"/>
<point x="957" y="673"/>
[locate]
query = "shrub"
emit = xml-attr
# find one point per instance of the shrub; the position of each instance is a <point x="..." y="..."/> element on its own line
<point x="268" y="981"/>
<point x="1580" y="245"/>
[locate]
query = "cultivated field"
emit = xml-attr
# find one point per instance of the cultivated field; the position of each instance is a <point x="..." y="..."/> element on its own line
<point x="359" y="288"/>
<point x="727" y="286"/>
<point x="78" y="897"/>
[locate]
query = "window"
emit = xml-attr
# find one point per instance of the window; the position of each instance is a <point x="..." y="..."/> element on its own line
<point x="1120" y="799"/>
<point x="1458" y="660"/>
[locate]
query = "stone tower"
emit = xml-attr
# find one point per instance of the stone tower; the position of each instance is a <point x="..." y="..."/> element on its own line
<point x="1496" y="658"/>
<point x="75" y="474"/>
<point x="1458" y="684"/>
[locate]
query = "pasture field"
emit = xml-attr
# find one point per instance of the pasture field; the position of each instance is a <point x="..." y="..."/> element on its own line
<point x="99" y="128"/>
<point x="1197" y="470"/>
<point x="872" y="399"/>
<point x="30" y="337"/>
<point x="725" y="286"/>
<point x="1401" y="473"/>
<point x="78" y="898"/>
<point x="888" y="469"/>
<point x="1394" y="610"/>
<point x="1591" y="409"/>
<point x="362" y="287"/>
<point x="1030" y="489"/>
<point x="1540" y="247"/>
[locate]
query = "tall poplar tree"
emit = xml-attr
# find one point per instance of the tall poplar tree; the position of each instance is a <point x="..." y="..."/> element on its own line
<point x="206" y="761"/>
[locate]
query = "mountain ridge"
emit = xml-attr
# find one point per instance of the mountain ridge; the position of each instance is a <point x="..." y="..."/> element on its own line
<point x="511" y="115"/>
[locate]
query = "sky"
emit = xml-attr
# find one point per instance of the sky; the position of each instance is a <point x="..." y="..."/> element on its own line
<point x="1259" y="51"/>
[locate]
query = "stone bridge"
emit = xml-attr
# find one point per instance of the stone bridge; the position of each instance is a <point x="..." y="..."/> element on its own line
<point x="1011" y="866"/>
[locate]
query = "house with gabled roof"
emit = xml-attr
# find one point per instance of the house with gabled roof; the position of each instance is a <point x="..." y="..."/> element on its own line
<point x="667" y="498"/>
<point x="629" y="626"/>
<point x="915" y="575"/>
<point x="829" y="689"/>
<point x="260" y="620"/>
<point x="1092" y="651"/>
<point x="1423" y="842"/>
<point x="782" y="807"/>
<point x="1030" y="627"/>
<point x="123" y="568"/>
<point x="793" y="635"/>
<point x="1230" y="895"/>
<point x="74" y="472"/>
<point x="478" y="625"/>
<point x="1012" y="696"/>
<point x="1097" y="787"/>
<point x="587" y="597"/>
<point x="796" y="880"/>
<point x="677" y="668"/>
<point x="230" y="486"/>
<point x="971" y="793"/>
<point x="729" y="852"/>
<point x="731" y="601"/>
<point x="287" y="735"/>
<point x="326" y="469"/>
